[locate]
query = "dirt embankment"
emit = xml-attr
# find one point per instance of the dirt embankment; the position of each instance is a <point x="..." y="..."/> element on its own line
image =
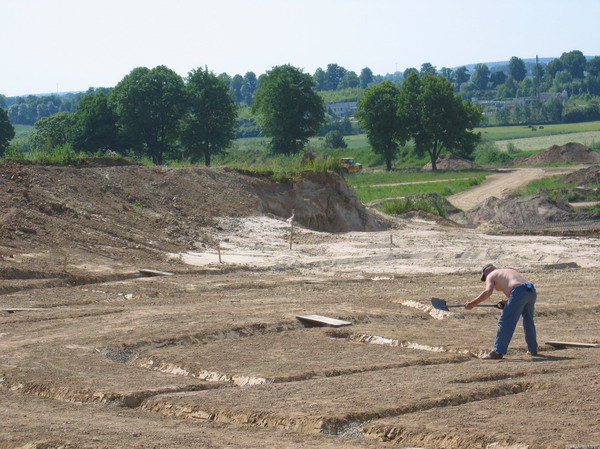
<point x="128" y="212"/>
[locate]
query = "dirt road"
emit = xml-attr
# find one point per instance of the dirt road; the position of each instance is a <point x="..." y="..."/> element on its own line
<point x="504" y="183"/>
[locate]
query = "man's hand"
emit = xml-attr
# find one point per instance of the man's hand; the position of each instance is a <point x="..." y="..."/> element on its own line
<point x="470" y="305"/>
<point x="500" y="304"/>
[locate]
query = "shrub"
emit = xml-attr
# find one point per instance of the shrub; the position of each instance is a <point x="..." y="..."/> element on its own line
<point x="335" y="139"/>
<point x="433" y="204"/>
<point x="488" y="153"/>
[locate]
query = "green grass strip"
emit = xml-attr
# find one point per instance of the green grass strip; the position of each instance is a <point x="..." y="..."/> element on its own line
<point x="372" y="193"/>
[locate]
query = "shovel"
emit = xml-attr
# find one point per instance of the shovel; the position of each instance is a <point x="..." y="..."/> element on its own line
<point x="440" y="304"/>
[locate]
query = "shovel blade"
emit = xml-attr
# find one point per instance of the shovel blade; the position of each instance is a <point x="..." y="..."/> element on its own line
<point x="439" y="304"/>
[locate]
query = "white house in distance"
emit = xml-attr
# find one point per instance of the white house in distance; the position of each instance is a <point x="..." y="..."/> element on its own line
<point x="342" y="109"/>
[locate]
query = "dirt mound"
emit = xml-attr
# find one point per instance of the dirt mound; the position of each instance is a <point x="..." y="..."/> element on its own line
<point x="585" y="177"/>
<point x="132" y="211"/>
<point x="452" y="162"/>
<point x="520" y="212"/>
<point x="532" y="215"/>
<point x="569" y="152"/>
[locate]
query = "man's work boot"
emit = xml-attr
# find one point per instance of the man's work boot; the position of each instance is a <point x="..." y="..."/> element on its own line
<point x="493" y="355"/>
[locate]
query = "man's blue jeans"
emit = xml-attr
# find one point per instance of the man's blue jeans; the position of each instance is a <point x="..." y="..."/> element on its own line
<point x="521" y="302"/>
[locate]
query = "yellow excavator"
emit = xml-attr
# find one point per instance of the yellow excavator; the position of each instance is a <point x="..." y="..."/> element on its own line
<point x="349" y="165"/>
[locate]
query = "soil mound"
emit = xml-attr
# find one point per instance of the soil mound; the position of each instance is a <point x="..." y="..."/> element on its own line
<point x="452" y="162"/>
<point x="569" y="152"/>
<point x="585" y="177"/>
<point x="532" y="215"/>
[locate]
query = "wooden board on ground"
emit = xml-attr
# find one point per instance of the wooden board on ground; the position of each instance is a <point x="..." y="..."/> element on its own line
<point x="21" y="309"/>
<point x="562" y="344"/>
<point x="319" y="320"/>
<point x="150" y="272"/>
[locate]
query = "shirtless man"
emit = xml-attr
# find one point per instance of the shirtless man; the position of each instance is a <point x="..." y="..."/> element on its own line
<point x="521" y="302"/>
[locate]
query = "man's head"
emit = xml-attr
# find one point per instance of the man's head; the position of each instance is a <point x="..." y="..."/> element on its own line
<point x="487" y="270"/>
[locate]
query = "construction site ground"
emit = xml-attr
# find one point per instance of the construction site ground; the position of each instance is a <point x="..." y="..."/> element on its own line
<point x="153" y="307"/>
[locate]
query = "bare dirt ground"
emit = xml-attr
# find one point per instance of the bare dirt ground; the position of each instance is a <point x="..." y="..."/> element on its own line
<point x="100" y="356"/>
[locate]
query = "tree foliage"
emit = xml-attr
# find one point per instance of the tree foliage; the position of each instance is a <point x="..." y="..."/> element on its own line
<point x="208" y="126"/>
<point x="149" y="104"/>
<point x="288" y="109"/>
<point x="437" y="119"/>
<point x="481" y="76"/>
<point x="53" y="131"/>
<point x="95" y="124"/>
<point x="7" y="131"/>
<point x="517" y="69"/>
<point x="377" y="113"/>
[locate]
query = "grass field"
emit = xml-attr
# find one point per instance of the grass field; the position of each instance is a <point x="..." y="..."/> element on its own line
<point x="589" y="138"/>
<point x="496" y="133"/>
<point x="524" y="139"/>
<point x="376" y="186"/>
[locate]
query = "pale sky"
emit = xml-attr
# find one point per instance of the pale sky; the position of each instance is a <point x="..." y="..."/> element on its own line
<point x="70" y="45"/>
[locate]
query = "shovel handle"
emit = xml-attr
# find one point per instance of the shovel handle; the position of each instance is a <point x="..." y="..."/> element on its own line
<point x="478" y="305"/>
<point x="499" y="305"/>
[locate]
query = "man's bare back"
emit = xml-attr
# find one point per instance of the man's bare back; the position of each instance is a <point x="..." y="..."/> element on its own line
<point x="505" y="279"/>
<point x="501" y="279"/>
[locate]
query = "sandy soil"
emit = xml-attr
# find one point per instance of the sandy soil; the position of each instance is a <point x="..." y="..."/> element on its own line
<point x="213" y="356"/>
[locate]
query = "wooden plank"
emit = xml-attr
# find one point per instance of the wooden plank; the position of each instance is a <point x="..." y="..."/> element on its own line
<point x="151" y="272"/>
<point x="319" y="320"/>
<point x="21" y="309"/>
<point x="562" y="344"/>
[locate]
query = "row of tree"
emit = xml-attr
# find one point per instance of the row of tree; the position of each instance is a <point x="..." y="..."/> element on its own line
<point x="571" y="72"/>
<point x="424" y="109"/>
<point x="157" y="114"/>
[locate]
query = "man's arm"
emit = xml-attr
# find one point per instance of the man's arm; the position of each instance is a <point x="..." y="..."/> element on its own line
<point x="489" y="289"/>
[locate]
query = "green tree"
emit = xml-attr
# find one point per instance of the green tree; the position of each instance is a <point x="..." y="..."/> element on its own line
<point x="7" y="131"/>
<point x="554" y="66"/>
<point x="320" y="78"/>
<point x="288" y="109"/>
<point x="517" y="69"/>
<point x="249" y="87"/>
<point x="95" y="124"/>
<point x="503" y="116"/>
<point x="508" y="89"/>
<point x="552" y="110"/>
<point x="593" y="66"/>
<point x="481" y="76"/>
<point x="53" y="131"/>
<point x="366" y="77"/>
<point x="498" y="77"/>
<point x="438" y="119"/>
<point x="335" y="139"/>
<point x="237" y="82"/>
<point x="448" y="74"/>
<point x="426" y="68"/>
<point x="377" y="113"/>
<point x="209" y="124"/>
<point x="335" y="74"/>
<point x="461" y="75"/>
<point x="574" y="63"/>
<point x="408" y="72"/>
<point x="350" y="80"/>
<point x="149" y="104"/>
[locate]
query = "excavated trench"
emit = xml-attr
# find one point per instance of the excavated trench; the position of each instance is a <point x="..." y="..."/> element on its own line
<point x="353" y="424"/>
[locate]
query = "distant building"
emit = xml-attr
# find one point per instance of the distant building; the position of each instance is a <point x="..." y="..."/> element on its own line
<point x="342" y="109"/>
<point x="542" y="97"/>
